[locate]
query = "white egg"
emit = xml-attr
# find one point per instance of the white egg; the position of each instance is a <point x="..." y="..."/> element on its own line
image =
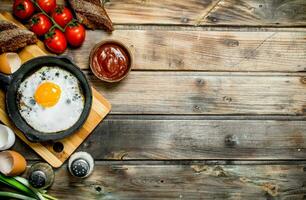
<point x="67" y="109"/>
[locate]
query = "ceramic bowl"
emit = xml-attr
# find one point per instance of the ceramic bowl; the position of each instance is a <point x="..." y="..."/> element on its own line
<point x="124" y="47"/>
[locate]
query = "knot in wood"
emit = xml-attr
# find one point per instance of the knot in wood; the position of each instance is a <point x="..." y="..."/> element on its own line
<point x="303" y="80"/>
<point x="196" y="108"/>
<point x="98" y="188"/>
<point x="231" y="42"/>
<point x="212" y="19"/>
<point x="185" y="20"/>
<point x="87" y="144"/>
<point x="227" y="99"/>
<point x="200" y="82"/>
<point x="230" y="140"/>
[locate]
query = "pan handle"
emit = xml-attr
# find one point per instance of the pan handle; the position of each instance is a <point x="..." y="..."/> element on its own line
<point x="66" y="59"/>
<point x="5" y="79"/>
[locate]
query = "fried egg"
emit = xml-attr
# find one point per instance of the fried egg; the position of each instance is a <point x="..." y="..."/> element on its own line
<point x="50" y="100"/>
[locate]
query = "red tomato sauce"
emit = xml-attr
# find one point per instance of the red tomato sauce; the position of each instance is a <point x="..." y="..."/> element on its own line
<point x="110" y="61"/>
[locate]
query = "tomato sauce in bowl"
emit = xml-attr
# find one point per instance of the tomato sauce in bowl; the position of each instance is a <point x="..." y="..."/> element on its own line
<point x="110" y="61"/>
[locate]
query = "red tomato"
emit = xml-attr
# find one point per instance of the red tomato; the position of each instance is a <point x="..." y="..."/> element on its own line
<point x="56" y="41"/>
<point x="47" y="5"/>
<point x="75" y="34"/>
<point x="23" y="9"/>
<point x="40" y="24"/>
<point x="62" y="15"/>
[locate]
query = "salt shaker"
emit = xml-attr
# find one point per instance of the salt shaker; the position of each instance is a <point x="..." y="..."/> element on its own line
<point x="81" y="164"/>
<point x="41" y="175"/>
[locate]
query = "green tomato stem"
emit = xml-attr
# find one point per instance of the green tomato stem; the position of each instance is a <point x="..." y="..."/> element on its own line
<point x="53" y="21"/>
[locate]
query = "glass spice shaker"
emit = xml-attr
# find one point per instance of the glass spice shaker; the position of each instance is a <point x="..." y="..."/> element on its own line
<point x="41" y="175"/>
<point x="81" y="164"/>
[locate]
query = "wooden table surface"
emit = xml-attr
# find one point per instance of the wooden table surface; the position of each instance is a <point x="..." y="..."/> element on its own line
<point x="213" y="109"/>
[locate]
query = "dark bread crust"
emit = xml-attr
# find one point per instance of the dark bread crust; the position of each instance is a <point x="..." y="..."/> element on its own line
<point x="6" y="25"/>
<point x="92" y="14"/>
<point x="13" y="38"/>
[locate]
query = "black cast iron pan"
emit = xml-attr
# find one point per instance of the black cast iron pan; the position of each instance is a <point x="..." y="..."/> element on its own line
<point x="12" y="82"/>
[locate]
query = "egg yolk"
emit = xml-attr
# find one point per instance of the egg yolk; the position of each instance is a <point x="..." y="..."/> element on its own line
<point x="47" y="94"/>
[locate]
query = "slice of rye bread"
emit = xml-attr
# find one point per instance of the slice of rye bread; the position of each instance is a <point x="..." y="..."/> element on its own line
<point x="6" y="25"/>
<point x="92" y="14"/>
<point x="13" y="38"/>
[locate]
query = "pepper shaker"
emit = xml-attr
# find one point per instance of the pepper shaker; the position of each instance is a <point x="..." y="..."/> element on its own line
<point x="41" y="175"/>
<point x="81" y="164"/>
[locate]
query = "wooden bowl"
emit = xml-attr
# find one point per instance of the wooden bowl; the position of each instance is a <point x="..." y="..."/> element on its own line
<point x="120" y="44"/>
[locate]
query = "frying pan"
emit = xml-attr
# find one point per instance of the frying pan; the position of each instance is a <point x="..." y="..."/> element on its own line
<point x="11" y="84"/>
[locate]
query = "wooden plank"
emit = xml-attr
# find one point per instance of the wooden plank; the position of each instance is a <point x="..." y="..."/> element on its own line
<point x="6" y="5"/>
<point x="207" y="12"/>
<point x="184" y="182"/>
<point x="204" y="12"/>
<point x="179" y="138"/>
<point x="158" y="12"/>
<point x="257" y="13"/>
<point x="206" y="93"/>
<point x="206" y="50"/>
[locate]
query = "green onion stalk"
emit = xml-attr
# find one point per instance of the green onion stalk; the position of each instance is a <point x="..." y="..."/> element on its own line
<point x="22" y="185"/>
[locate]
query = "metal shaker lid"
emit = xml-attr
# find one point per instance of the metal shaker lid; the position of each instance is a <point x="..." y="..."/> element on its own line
<point x="41" y="175"/>
<point x="80" y="168"/>
<point x="38" y="179"/>
<point x="81" y="164"/>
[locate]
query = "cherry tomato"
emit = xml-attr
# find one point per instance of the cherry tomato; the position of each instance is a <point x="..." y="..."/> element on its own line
<point x="23" y="9"/>
<point x="62" y="15"/>
<point x="55" y="41"/>
<point x="40" y="24"/>
<point x="47" y="5"/>
<point x="75" y="34"/>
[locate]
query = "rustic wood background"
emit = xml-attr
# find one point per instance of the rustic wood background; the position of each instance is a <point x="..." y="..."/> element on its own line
<point x="215" y="107"/>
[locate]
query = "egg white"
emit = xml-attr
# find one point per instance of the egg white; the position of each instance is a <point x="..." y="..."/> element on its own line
<point x="57" y="118"/>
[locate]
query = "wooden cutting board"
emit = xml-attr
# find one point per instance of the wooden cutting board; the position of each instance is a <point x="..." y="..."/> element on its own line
<point x="55" y="153"/>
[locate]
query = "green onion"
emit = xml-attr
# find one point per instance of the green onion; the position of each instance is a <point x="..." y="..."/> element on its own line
<point x="15" y="195"/>
<point x="49" y="197"/>
<point x="21" y="184"/>
<point x="27" y="184"/>
<point x="11" y="182"/>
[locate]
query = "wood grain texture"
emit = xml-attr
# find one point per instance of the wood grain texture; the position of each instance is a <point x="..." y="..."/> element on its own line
<point x="181" y="138"/>
<point x="6" y="5"/>
<point x="205" y="50"/>
<point x="204" y="12"/>
<point x="209" y="12"/>
<point x="206" y="93"/>
<point x="183" y="47"/>
<point x="257" y="13"/>
<point x="158" y="12"/>
<point x="134" y="182"/>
